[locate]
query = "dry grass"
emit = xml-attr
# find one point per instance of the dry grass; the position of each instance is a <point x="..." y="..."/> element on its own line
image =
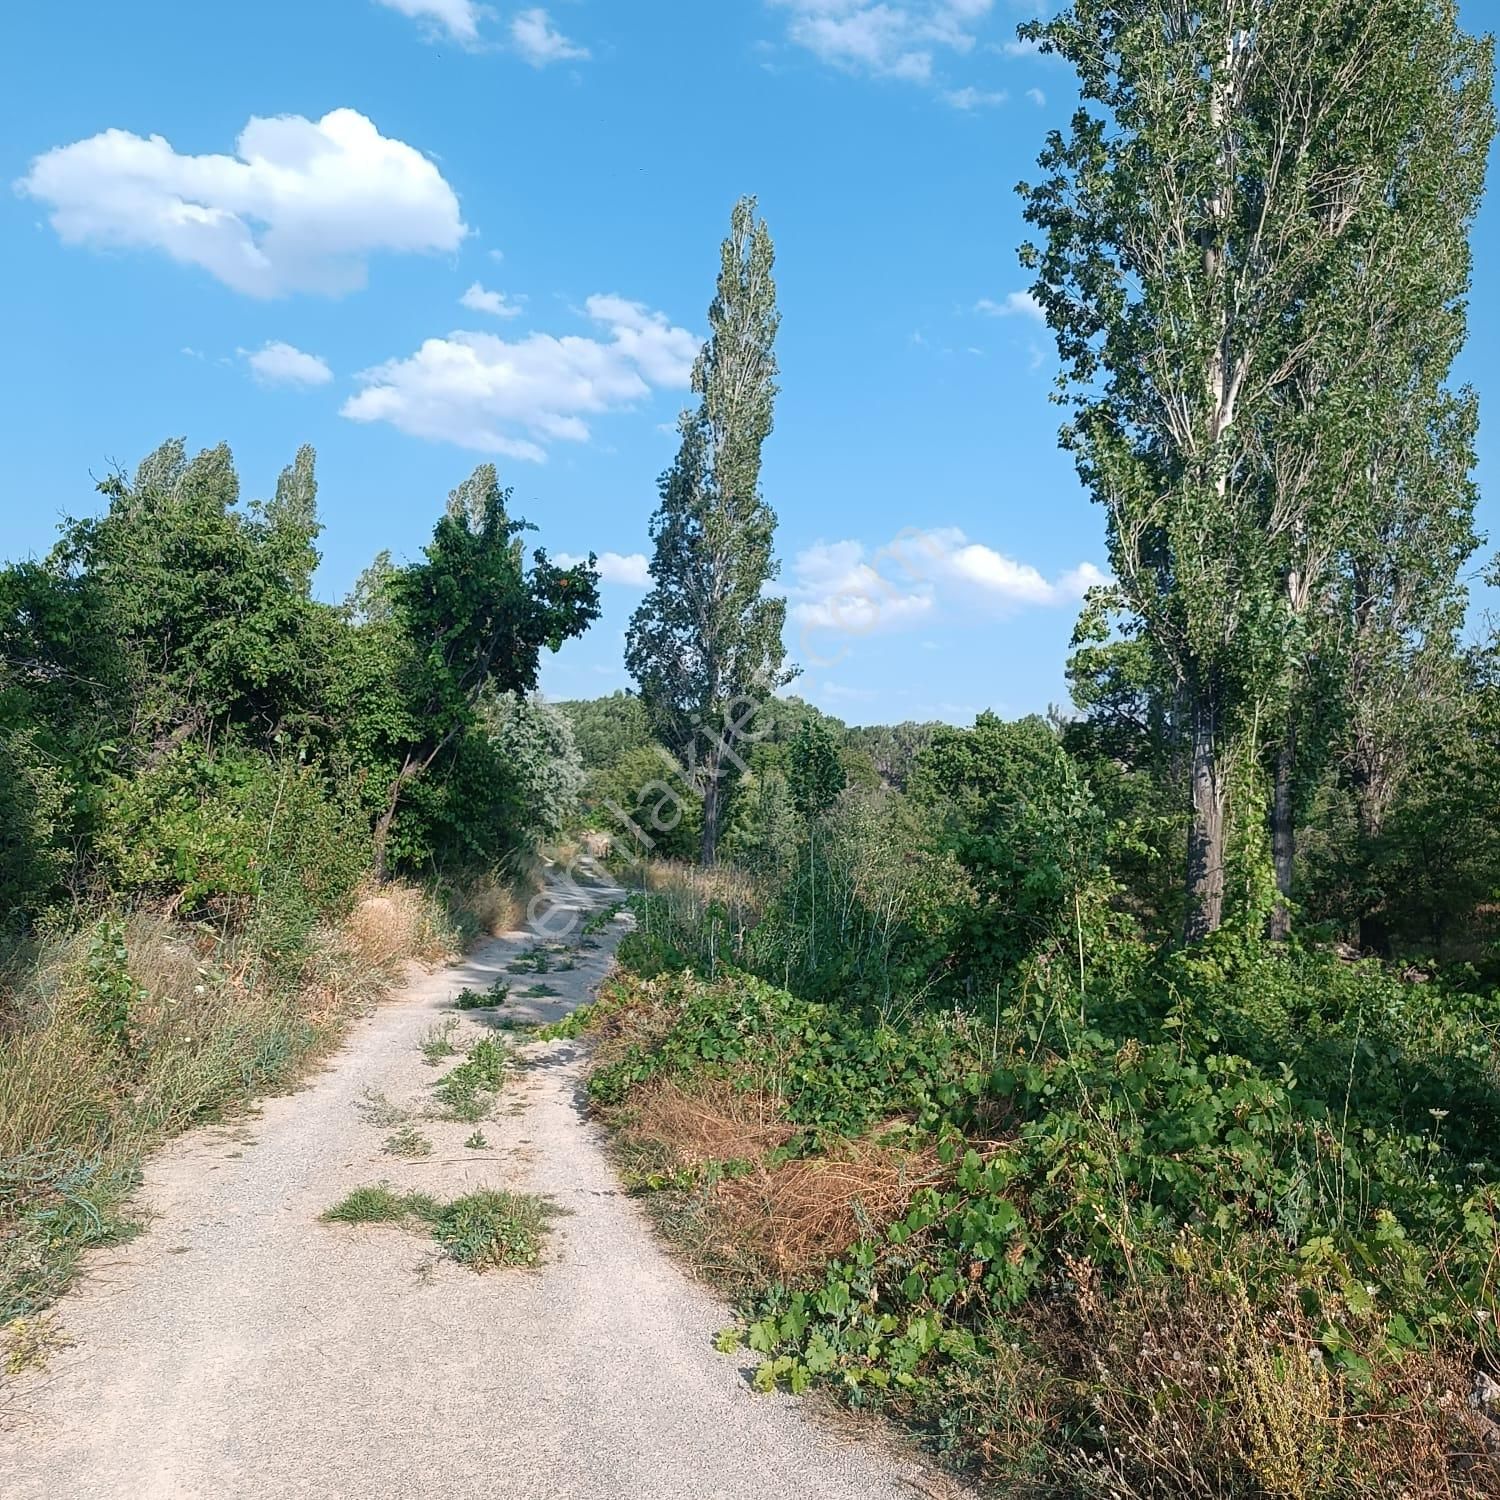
<point x="210" y="1025"/>
<point x="1196" y="1392"/>
<point x="715" y="1123"/>
<point x="796" y="1216"/>
<point x="790" y="1217"/>
<point x="391" y="924"/>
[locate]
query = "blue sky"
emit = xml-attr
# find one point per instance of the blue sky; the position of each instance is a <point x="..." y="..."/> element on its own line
<point x="420" y="234"/>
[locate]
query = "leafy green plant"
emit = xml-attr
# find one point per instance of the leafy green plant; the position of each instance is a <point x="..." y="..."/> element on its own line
<point x="493" y="1228"/>
<point x="467" y="1092"/>
<point x="110" y="992"/>
<point x="485" y="999"/>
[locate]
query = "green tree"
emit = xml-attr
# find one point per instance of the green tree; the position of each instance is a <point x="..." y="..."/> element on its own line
<point x="470" y="619"/>
<point x="535" y="740"/>
<point x="605" y="728"/>
<point x="705" y="644"/>
<point x="814" y="771"/>
<point x="1214" y="320"/>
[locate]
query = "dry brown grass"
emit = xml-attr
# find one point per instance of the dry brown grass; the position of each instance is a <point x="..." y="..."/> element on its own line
<point x="715" y="1123"/>
<point x="796" y="1216"/>
<point x="391" y="924"/>
<point x="792" y="1216"/>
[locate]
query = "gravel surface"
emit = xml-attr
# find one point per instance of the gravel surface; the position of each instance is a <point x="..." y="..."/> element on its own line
<point x="240" y="1347"/>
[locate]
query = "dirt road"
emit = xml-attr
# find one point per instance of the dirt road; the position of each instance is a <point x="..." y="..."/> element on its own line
<point x="241" y="1347"/>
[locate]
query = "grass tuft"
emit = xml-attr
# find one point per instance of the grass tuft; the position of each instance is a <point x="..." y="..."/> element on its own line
<point x="479" y="1230"/>
<point x="408" y="1142"/>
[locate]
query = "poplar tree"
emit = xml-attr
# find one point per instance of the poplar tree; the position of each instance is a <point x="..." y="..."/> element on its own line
<point x="705" y="644"/>
<point x="1233" y="231"/>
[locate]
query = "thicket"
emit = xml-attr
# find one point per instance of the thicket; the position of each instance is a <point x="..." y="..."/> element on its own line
<point x="1100" y="1213"/>
<point x="207" y="779"/>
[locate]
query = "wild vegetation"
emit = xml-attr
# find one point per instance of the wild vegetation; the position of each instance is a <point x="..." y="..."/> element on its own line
<point x="233" y="812"/>
<point x="1114" y="1095"/>
<point x="480" y="1230"/>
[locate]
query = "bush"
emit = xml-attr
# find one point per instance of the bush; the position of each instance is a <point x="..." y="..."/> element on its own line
<point x="1259" y="1129"/>
<point x="235" y="830"/>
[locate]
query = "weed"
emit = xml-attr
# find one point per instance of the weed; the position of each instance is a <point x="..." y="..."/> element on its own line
<point x="408" y="1142"/>
<point x="437" y="1041"/>
<point x="467" y="1093"/>
<point x="539" y="991"/>
<point x="493" y="1228"/>
<point x="479" y="1230"/>
<point x="602" y="918"/>
<point x="476" y="1141"/>
<point x="496" y="994"/>
<point x="28" y="1343"/>
<point x="534" y="961"/>
<point x="380" y="1204"/>
<point x="379" y="1111"/>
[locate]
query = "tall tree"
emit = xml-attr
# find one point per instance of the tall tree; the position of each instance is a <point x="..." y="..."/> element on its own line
<point x="468" y="621"/>
<point x="1216" y="235"/>
<point x="705" y="644"/>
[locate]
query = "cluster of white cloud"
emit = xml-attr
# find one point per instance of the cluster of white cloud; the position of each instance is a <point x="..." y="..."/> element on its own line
<point x="279" y="363"/>
<point x="842" y="588"/>
<point x="531" y="33"/>
<point x="534" y="36"/>
<point x="484" y="392"/>
<point x="300" y="207"/>
<point x="972" y="98"/>
<point x="629" y="569"/>
<point x="1012" y="305"/>
<point x="479" y="299"/>
<point x="888" y="40"/>
<point x="457" y="19"/>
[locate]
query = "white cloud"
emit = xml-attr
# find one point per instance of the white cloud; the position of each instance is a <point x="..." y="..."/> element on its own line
<point x="844" y="588"/>
<point x="484" y="392"/>
<point x="885" y="38"/>
<point x="299" y="208"/>
<point x="478" y="299"/>
<point x="534" y="36"/>
<point x="284" y="364"/>
<point x="1037" y="97"/>
<point x="970" y="98"/>
<point x="629" y="569"/>
<point x="459" y="19"/>
<point x="1012" y="305"/>
<point x="833" y="587"/>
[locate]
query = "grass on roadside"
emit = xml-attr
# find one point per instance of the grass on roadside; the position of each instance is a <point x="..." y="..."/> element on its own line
<point x="480" y="1230"/>
<point x="437" y="1041"/>
<point x="134" y="1028"/>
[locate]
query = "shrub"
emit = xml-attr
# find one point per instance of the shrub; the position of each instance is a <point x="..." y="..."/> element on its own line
<point x="1255" y="1129"/>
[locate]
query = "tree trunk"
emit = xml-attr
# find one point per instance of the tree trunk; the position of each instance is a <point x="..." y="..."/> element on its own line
<point x="710" y="848"/>
<point x="382" y="834"/>
<point x="1205" y="861"/>
<point x="1283" y="838"/>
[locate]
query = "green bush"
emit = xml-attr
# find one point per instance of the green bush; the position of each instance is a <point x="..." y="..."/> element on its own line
<point x="236" y="831"/>
<point x="1327" y="1124"/>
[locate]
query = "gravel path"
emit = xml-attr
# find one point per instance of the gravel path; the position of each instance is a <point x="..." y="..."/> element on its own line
<point x="240" y="1347"/>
